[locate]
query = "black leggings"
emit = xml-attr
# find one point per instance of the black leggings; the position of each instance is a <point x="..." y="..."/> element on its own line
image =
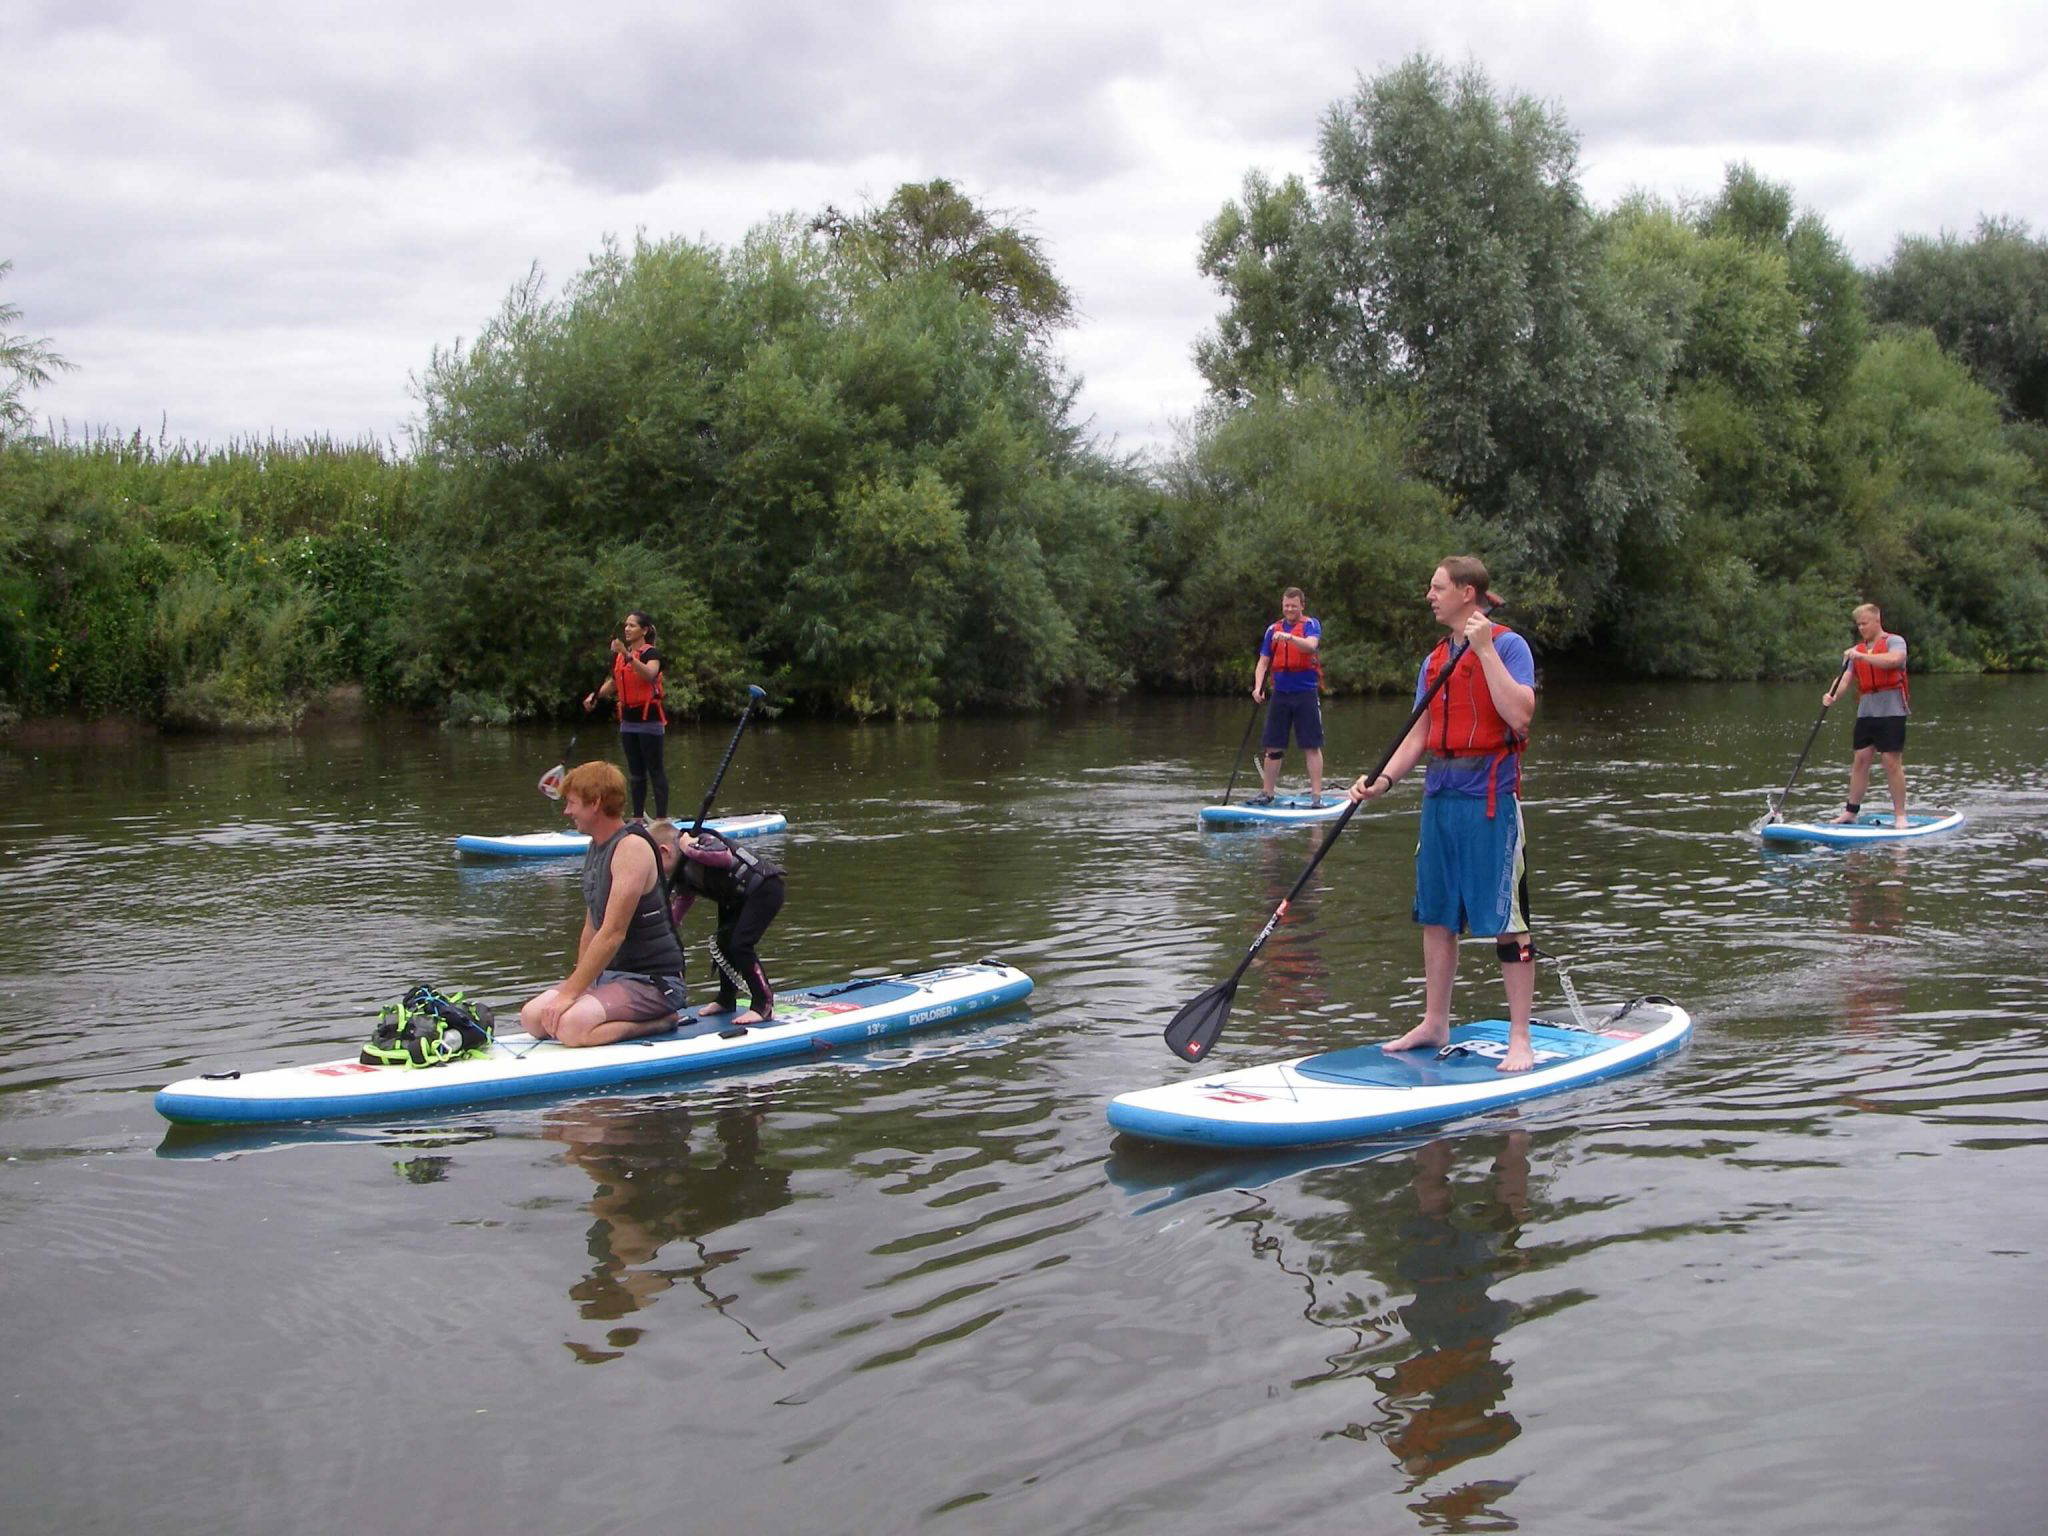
<point x="733" y="952"/>
<point x="643" y="767"/>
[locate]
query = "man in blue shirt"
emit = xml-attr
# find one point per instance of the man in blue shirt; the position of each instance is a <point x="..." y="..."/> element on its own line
<point x="1470" y="873"/>
<point x="1290" y="652"/>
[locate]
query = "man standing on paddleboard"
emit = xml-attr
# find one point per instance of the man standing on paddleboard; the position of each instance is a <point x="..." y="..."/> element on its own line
<point x="1878" y="662"/>
<point x="1290" y="652"/>
<point x="1470" y="875"/>
<point x="628" y="979"/>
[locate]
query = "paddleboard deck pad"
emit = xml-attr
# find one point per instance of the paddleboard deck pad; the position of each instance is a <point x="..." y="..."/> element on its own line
<point x="1286" y="810"/>
<point x="1365" y="1091"/>
<point x="806" y="1020"/>
<point x="1870" y="827"/>
<point x="558" y="845"/>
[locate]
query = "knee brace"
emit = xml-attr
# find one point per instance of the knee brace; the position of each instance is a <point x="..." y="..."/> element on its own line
<point x="1275" y="754"/>
<point x="1515" y="951"/>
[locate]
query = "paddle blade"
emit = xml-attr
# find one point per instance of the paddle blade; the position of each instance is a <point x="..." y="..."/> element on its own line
<point x="1196" y="1027"/>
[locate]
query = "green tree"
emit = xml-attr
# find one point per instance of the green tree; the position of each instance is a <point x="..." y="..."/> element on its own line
<point x="1306" y="489"/>
<point x="1945" y="516"/>
<point x="864" y="490"/>
<point x="933" y="227"/>
<point x="25" y="363"/>
<point x="1451" y="260"/>
<point x="1986" y="301"/>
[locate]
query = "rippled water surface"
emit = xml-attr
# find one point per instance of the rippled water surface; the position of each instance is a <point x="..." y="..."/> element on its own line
<point x="1790" y="1280"/>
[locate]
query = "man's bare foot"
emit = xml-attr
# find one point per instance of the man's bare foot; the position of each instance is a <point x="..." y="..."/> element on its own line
<point x="1423" y="1037"/>
<point x="749" y="1017"/>
<point x="1518" y="1059"/>
<point x="709" y="1009"/>
<point x="1902" y="821"/>
<point x="1842" y="817"/>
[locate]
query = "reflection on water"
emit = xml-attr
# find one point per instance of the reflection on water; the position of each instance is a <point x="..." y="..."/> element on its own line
<point x="925" y="1279"/>
<point x="653" y="1196"/>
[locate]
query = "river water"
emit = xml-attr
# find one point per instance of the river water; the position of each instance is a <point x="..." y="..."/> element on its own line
<point x="1790" y="1280"/>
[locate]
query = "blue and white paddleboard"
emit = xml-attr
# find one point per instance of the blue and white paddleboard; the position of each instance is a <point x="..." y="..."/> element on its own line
<point x="1365" y="1091"/>
<point x="558" y="845"/>
<point x="1870" y="827"/>
<point x="808" y="1019"/>
<point x="1286" y="810"/>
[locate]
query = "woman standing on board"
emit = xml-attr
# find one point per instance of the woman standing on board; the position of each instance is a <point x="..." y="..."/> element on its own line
<point x="636" y="684"/>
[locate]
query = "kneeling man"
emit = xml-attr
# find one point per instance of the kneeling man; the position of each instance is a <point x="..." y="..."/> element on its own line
<point x="628" y="979"/>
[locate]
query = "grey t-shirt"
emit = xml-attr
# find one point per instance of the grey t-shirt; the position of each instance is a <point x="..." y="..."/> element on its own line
<point x="1886" y="701"/>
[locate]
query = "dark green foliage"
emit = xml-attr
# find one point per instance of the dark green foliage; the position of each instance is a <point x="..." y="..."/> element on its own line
<point x="857" y="485"/>
<point x="1308" y="491"/>
<point x="216" y="589"/>
<point x="1985" y="299"/>
<point x="1451" y="261"/>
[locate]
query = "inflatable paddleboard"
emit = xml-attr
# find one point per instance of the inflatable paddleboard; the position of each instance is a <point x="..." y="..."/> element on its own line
<point x="1365" y="1091"/>
<point x="1870" y="827"/>
<point x="807" y="1019"/>
<point x="1287" y="809"/>
<point x="557" y="845"/>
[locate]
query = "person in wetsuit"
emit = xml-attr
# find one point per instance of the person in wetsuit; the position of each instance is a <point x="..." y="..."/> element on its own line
<point x="747" y="888"/>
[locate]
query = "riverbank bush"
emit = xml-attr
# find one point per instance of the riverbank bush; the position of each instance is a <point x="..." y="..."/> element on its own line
<point x="210" y="588"/>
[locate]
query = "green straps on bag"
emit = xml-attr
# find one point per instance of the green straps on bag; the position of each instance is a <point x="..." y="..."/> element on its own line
<point x="428" y="1028"/>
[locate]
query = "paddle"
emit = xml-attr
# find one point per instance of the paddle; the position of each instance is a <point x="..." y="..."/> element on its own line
<point x="1195" y="1028"/>
<point x="1240" y="751"/>
<point x="551" y="781"/>
<point x="755" y="694"/>
<point x="1777" y="811"/>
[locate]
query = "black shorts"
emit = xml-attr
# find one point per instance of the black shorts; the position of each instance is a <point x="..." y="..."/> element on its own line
<point x="1887" y="733"/>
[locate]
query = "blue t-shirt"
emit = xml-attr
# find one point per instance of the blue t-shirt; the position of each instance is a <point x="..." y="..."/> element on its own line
<point x="1291" y="680"/>
<point x="1468" y="775"/>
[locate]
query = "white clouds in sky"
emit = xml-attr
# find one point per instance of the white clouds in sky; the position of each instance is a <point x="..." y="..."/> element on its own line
<point x="242" y="219"/>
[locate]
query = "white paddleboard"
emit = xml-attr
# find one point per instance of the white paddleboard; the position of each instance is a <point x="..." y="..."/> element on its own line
<point x="806" y="1019"/>
<point x="1286" y="810"/>
<point x="558" y="845"/>
<point x="1364" y="1091"/>
<point x="1870" y="827"/>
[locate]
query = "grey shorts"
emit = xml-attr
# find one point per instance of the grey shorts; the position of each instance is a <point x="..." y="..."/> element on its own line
<point x="630" y="995"/>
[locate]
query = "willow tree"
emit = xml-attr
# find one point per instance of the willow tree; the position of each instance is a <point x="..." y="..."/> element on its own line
<point x="26" y="362"/>
<point x="1448" y="260"/>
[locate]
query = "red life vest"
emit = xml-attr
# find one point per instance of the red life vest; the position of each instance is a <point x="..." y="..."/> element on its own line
<point x="1871" y="679"/>
<point x="1462" y="719"/>
<point x="638" y="698"/>
<point x="1292" y="658"/>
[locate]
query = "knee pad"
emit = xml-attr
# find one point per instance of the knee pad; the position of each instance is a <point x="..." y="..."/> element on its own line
<point x="1515" y="951"/>
<point x="1275" y="754"/>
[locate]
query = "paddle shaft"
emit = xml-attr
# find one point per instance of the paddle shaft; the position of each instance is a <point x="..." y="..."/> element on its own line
<point x="754" y="696"/>
<point x="1337" y="828"/>
<point x="1779" y="804"/>
<point x="1240" y="751"/>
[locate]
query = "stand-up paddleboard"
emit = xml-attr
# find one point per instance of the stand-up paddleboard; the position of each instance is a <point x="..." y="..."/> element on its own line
<point x="1870" y="827"/>
<point x="808" y="1019"/>
<point x="557" y="845"/>
<point x="1288" y="809"/>
<point x="1365" y="1091"/>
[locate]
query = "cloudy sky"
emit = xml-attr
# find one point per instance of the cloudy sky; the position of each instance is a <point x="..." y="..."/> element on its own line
<point x="241" y="219"/>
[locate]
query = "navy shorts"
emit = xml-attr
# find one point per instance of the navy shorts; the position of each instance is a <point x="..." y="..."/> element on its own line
<point x="1303" y="711"/>
<point x="1887" y="733"/>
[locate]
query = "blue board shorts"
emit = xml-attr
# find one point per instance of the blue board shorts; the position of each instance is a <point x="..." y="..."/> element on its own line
<point x="1469" y="867"/>
<point x="1304" y="711"/>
